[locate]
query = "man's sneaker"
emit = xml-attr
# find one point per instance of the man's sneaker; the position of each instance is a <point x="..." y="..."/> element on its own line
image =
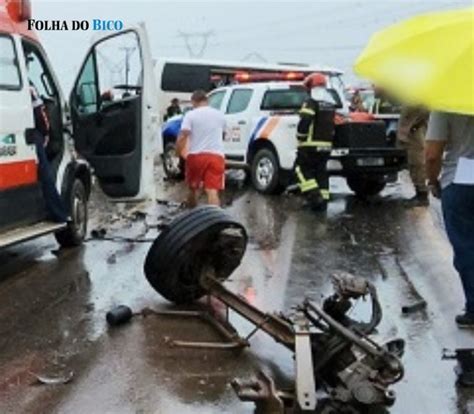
<point x="465" y="320"/>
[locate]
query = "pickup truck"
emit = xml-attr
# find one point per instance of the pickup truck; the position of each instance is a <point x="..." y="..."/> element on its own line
<point x="261" y="138"/>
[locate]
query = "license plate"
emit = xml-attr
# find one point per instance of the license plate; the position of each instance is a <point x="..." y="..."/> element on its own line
<point x="370" y="162"/>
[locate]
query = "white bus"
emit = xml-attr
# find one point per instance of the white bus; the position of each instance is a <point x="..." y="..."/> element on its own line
<point x="179" y="77"/>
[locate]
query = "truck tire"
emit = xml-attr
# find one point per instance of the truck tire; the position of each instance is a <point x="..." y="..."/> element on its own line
<point x="365" y="186"/>
<point x="172" y="164"/>
<point x="265" y="172"/>
<point x="76" y="204"/>
<point x="205" y="239"/>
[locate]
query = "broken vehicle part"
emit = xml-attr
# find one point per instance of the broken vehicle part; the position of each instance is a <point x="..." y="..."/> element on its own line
<point x="333" y="353"/>
<point x="55" y="376"/>
<point x="415" y="307"/>
<point x="119" y="315"/>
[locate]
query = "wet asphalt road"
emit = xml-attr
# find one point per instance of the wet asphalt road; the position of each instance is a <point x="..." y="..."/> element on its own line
<point x="53" y="305"/>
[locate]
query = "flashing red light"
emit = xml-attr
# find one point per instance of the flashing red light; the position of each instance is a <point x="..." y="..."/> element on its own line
<point x="243" y="77"/>
<point x="295" y="76"/>
<point x="19" y="10"/>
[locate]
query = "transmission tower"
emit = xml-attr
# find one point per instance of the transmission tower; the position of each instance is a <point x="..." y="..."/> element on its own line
<point x="201" y="37"/>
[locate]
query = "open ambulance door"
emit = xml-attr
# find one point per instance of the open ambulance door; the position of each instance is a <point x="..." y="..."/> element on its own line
<point x="114" y="112"/>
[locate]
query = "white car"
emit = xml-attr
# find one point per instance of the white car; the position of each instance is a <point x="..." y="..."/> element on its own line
<point x="109" y="125"/>
<point x="261" y="137"/>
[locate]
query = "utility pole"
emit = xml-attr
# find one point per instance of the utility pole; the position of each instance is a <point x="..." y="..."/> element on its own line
<point x="188" y="38"/>
<point x="128" y="53"/>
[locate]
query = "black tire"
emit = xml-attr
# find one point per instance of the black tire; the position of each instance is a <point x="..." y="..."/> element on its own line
<point x="172" y="164"/>
<point x="365" y="186"/>
<point x="76" y="205"/>
<point x="265" y="172"/>
<point x="201" y="240"/>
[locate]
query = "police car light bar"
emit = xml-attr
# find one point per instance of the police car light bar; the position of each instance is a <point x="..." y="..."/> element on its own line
<point x="243" y="77"/>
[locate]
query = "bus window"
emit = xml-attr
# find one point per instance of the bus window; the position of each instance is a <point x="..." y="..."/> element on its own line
<point x="178" y="77"/>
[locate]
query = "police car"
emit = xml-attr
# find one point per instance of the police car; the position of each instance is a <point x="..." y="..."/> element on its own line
<point x="261" y="116"/>
<point x="107" y="126"/>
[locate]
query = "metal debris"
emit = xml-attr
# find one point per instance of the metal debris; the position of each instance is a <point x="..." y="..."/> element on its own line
<point x="55" y="378"/>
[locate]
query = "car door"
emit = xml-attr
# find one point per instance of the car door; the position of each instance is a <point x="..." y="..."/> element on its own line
<point x="114" y="112"/>
<point x="21" y="201"/>
<point x="238" y="124"/>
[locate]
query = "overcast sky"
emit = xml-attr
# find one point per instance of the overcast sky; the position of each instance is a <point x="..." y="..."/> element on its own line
<point x="320" y="32"/>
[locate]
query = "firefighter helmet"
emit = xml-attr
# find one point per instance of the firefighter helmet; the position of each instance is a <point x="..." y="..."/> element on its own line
<point x="315" y="80"/>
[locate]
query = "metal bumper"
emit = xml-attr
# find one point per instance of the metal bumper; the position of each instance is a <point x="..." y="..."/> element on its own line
<point x="394" y="160"/>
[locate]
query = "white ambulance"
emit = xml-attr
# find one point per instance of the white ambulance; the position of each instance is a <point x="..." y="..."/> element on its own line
<point x="107" y="126"/>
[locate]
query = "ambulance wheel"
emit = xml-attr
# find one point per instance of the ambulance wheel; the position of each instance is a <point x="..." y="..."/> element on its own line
<point x="364" y="186"/>
<point x="203" y="241"/>
<point x="172" y="164"/>
<point x="265" y="172"/>
<point x="76" y="229"/>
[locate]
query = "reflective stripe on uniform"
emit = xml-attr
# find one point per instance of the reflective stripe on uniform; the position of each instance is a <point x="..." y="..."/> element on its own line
<point x="304" y="184"/>
<point x="307" y="111"/>
<point x="324" y="194"/>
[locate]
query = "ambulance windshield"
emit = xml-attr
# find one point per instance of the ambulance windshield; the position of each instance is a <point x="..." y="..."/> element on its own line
<point x="9" y="71"/>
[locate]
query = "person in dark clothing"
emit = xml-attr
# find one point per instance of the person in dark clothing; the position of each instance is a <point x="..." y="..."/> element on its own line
<point x="173" y="109"/>
<point x="54" y="203"/>
<point x="315" y="132"/>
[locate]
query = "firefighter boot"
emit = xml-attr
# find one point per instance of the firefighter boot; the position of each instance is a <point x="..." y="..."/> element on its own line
<point x="316" y="201"/>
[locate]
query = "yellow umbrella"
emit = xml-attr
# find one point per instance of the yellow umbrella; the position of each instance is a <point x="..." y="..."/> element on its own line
<point x="428" y="59"/>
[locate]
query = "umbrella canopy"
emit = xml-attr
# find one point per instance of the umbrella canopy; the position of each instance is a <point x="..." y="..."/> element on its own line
<point x="428" y="59"/>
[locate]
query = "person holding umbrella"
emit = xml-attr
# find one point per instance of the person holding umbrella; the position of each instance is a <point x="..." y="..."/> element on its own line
<point x="450" y="169"/>
<point x="429" y="60"/>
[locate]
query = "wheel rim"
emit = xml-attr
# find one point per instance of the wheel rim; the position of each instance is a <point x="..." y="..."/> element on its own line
<point x="79" y="214"/>
<point x="172" y="162"/>
<point x="264" y="172"/>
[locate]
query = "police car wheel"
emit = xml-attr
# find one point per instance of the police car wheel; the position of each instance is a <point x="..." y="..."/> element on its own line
<point x="172" y="164"/>
<point x="266" y="172"/>
<point x="205" y="240"/>
<point x="365" y="186"/>
<point x="76" y="230"/>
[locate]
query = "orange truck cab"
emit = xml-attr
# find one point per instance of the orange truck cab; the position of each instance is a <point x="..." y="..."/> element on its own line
<point x="107" y="127"/>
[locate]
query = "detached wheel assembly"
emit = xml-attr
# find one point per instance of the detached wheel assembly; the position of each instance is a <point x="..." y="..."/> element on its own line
<point x="200" y="249"/>
<point x="203" y="241"/>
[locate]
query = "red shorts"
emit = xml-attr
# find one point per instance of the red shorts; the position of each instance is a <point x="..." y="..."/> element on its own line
<point x="205" y="170"/>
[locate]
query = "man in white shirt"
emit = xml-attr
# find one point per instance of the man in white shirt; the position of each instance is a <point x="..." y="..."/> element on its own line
<point x="203" y="130"/>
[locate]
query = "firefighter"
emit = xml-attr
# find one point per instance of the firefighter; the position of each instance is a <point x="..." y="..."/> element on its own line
<point x="315" y="133"/>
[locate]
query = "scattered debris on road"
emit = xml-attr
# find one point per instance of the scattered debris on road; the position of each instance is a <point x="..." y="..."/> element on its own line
<point x="55" y="376"/>
<point x="328" y="345"/>
<point x="414" y="307"/>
